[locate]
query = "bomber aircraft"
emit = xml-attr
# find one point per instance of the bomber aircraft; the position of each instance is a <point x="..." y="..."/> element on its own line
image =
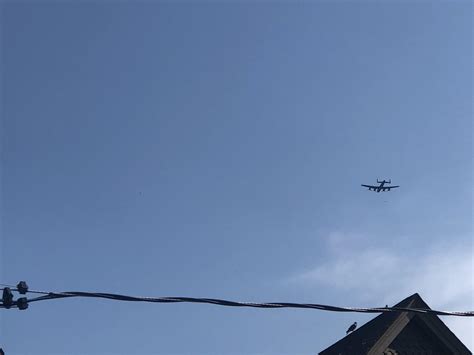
<point x="381" y="186"/>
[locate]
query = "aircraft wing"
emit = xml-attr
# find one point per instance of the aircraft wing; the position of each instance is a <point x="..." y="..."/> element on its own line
<point x="370" y="186"/>
<point x="391" y="187"/>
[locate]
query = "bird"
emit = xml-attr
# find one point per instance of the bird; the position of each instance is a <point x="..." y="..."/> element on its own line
<point x="352" y="328"/>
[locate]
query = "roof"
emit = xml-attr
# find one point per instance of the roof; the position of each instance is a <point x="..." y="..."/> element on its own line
<point x="401" y="330"/>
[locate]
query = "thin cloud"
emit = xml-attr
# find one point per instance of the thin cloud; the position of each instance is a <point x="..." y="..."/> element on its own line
<point x="441" y="274"/>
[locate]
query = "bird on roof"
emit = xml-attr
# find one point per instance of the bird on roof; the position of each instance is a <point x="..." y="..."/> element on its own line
<point x="352" y="328"/>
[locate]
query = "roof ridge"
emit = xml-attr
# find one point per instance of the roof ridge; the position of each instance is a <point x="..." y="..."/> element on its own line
<point x="376" y="332"/>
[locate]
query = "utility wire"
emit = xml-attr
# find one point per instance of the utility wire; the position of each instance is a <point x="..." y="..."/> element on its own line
<point x="117" y="297"/>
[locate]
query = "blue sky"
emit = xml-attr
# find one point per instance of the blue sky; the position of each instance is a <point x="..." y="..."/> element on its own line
<point x="216" y="149"/>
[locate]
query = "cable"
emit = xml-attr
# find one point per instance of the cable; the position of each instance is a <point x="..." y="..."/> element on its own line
<point x="117" y="297"/>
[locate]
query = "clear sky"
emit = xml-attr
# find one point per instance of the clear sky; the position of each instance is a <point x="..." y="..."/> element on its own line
<point x="216" y="149"/>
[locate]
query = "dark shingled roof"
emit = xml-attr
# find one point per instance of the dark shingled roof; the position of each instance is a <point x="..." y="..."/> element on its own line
<point x="401" y="330"/>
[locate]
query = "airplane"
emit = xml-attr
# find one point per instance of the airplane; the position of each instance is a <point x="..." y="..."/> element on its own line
<point x="381" y="187"/>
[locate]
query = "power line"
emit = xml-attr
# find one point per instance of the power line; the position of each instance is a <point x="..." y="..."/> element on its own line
<point x="22" y="303"/>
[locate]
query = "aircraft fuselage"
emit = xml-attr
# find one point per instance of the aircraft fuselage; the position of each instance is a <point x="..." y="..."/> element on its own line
<point x="381" y="186"/>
